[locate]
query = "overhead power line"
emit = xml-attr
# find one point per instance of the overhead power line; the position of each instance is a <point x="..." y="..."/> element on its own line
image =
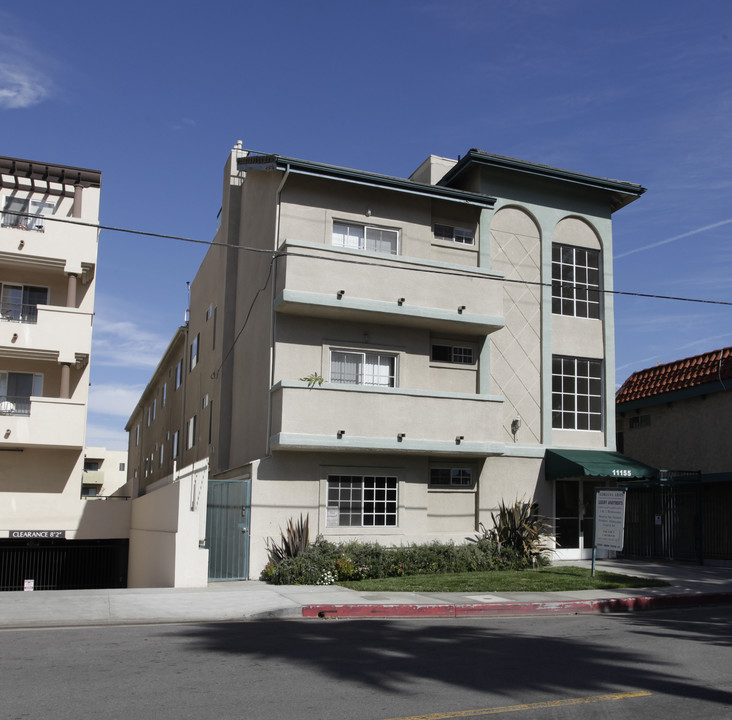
<point x="350" y="261"/>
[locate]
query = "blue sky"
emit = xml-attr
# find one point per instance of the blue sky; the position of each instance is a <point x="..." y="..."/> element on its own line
<point x="155" y="94"/>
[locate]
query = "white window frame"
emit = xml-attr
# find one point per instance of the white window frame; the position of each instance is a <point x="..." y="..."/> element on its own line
<point x="578" y="394"/>
<point x="20" y="311"/>
<point x="576" y="292"/>
<point x="453" y="234"/>
<point x="19" y="217"/>
<point x="194" y="350"/>
<point x="191" y="432"/>
<point x="179" y="374"/>
<point x="458" y="353"/>
<point x="363" y="500"/>
<point x="362" y="377"/>
<point x="355" y="236"/>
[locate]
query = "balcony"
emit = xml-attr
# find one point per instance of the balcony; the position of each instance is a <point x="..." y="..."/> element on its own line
<point x="53" y="244"/>
<point x="47" y="422"/>
<point x="48" y="329"/>
<point x="330" y="282"/>
<point x="92" y="477"/>
<point x="394" y="420"/>
<point x="14" y="405"/>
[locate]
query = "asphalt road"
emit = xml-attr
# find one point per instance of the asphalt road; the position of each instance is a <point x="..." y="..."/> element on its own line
<point x="648" y="665"/>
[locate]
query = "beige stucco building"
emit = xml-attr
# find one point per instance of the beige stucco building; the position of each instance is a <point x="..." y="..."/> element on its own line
<point x="391" y="356"/>
<point x="48" y="255"/>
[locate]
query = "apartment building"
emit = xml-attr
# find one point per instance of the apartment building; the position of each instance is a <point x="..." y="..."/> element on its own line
<point x="48" y="255"/>
<point x="391" y="356"/>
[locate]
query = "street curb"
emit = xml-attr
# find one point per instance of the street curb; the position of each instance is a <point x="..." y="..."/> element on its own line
<point x="516" y="609"/>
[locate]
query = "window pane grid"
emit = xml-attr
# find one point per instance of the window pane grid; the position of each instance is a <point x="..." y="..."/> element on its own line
<point x="575" y="282"/>
<point x="358" y="368"/>
<point x="369" y="501"/>
<point x="576" y="394"/>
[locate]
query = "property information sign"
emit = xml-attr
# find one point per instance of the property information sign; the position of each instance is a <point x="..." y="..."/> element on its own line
<point x="609" y="519"/>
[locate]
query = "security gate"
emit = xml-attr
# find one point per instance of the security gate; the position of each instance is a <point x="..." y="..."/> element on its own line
<point x="227" y="529"/>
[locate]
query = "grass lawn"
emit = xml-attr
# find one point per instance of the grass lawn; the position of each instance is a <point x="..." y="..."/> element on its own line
<point x="549" y="579"/>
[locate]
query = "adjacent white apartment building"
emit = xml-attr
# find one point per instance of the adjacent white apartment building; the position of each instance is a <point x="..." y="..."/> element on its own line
<point x="392" y="357"/>
<point x="55" y="530"/>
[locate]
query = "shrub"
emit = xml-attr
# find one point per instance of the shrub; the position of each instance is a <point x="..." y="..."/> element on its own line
<point x="324" y="562"/>
<point x="520" y="529"/>
<point x="291" y="544"/>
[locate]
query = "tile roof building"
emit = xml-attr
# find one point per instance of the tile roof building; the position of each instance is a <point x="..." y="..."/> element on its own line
<point x="678" y="415"/>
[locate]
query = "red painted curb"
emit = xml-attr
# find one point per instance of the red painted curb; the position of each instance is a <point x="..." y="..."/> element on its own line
<point x="543" y="607"/>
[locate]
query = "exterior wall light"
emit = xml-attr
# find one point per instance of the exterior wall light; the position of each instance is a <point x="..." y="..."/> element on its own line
<point x="340" y="294"/>
<point x="401" y="436"/>
<point x="340" y="434"/>
<point x="461" y="308"/>
<point x="515" y="425"/>
<point x="400" y="301"/>
<point x="459" y="438"/>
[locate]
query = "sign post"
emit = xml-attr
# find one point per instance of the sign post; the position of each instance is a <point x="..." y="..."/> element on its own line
<point x="609" y="521"/>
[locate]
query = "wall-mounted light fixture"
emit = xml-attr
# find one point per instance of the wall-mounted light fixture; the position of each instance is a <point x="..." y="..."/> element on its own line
<point x="368" y="212"/>
<point x="515" y="425"/>
<point x="340" y="294"/>
<point x="401" y="436"/>
<point x="459" y="439"/>
<point x="461" y="308"/>
<point x="21" y="244"/>
<point x="340" y="434"/>
<point x="14" y="338"/>
<point x="400" y="301"/>
<point x="7" y="433"/>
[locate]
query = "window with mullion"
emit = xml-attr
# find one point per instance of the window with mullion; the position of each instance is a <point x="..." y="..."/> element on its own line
<point x="366" y="237"/>
<point x="362" y="501"/>
<point x="577" y="393"/>
<point x="362" y="368"/>
<point x="575" y="282"/>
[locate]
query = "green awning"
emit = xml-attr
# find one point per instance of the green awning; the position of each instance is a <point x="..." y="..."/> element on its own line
<point x="595" y="463"/>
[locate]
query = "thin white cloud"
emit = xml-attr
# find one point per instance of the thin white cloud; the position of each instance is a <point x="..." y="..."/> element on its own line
<point x="673" y="239"/>
<point x="184" y="123"/>
<point x="22" y="82"/>
<point x="112" y="437"/>
<point x="124" y="343"/>
<point x="111" y="399"/>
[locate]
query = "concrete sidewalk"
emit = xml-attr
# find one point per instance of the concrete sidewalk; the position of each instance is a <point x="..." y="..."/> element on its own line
<point x="689" y="585"/>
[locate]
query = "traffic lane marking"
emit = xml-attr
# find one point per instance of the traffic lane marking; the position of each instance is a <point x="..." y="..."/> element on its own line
<point x="528" y="706"/>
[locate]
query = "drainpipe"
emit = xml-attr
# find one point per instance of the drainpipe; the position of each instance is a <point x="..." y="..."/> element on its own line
<point x="272" y="334"/>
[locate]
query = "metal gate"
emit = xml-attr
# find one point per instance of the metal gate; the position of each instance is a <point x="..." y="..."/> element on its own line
<point x="63" y="564"/>
<point x="227" y="529"/>
<point x="663" y="522"/>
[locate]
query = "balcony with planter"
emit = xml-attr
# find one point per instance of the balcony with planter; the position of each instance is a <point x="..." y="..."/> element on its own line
<point x="354" y="418"/>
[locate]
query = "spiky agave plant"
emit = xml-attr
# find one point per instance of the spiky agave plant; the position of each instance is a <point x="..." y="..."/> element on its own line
<point x="521" y="528"/>
<point x="293" y="541"/>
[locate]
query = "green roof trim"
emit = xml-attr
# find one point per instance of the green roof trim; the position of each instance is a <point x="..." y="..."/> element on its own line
<point x="622" y="193"/>
<point x="595" y="463"/>
<point x="333" y="172"/>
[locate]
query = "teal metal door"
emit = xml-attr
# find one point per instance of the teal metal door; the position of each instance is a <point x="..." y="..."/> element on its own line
<point x="227" y="529"/>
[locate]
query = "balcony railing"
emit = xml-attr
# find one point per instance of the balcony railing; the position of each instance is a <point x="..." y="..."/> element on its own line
<point x="23" y="221"/>
<point x="14" y="405"/>
<point x="18" y="312"/>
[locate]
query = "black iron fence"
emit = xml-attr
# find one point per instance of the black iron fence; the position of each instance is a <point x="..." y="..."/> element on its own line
<point x="63" y="564"/>
<point x="679" y="518"/>
<point x="14" y="405"/>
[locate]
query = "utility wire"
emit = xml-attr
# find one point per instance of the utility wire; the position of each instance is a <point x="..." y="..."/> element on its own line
<point x="405" y="265"/>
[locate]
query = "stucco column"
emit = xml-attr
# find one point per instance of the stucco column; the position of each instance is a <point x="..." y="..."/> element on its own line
<point x="71" y="291"/>
<point x="76" y="208"/>
<point x="65" y="390"/>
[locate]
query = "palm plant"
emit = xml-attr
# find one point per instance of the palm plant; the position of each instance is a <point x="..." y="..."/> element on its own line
<point x="292" y="542"/>
<point x="521" y="528"/>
